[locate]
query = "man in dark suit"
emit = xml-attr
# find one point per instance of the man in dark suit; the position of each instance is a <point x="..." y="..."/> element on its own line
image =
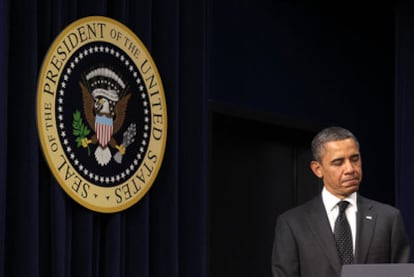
<point x="318" y="237"/>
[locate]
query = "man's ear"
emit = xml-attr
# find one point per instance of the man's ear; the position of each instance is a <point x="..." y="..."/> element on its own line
<point x="316" y="168"/>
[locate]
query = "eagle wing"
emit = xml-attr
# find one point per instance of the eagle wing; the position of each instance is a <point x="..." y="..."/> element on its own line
<point x="88" y="103"/>
<point x="120" y="112"/>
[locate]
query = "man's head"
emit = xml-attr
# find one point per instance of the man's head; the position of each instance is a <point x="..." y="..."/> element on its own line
<point x="337" y="160"/>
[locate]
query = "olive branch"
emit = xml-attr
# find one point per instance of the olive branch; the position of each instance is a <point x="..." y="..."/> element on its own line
<point x="80" y="130"/>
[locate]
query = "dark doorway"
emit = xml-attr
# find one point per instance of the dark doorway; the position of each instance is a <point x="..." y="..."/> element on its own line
<point x="259" y="168"/>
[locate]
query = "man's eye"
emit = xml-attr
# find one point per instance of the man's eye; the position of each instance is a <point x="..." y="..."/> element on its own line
<point x="355" y="159"/>
<point x="337" y="163"/>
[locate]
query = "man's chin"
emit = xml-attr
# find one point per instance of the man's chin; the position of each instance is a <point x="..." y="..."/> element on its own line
<point x="351" y="188"/>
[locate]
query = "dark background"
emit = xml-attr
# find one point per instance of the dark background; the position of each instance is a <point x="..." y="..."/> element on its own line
<point x="281" y="70"/>
<point x="248" y="83"/>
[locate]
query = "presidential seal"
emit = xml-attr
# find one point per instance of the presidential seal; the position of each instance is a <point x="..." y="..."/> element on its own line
<point x="101" y="114"/>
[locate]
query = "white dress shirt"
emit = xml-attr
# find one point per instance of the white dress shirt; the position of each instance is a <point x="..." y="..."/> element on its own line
<point x="330" y="201"/>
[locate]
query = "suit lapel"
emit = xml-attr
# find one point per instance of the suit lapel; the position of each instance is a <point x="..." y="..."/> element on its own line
<point x="366" y="219"/>
<point x="320" y="227"/>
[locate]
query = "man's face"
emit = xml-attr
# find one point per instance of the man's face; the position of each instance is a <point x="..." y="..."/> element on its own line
<point x="340" y="167"/>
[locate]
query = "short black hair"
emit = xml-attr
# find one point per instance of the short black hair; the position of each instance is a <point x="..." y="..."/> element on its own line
<point x="334" y="133"/>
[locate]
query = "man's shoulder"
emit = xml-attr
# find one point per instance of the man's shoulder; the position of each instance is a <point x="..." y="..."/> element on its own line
<point x="374" y="205"/>
<point x="302" y="209"/>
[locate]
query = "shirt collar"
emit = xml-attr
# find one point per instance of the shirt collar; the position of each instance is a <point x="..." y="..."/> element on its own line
<point x="331" y="200"/>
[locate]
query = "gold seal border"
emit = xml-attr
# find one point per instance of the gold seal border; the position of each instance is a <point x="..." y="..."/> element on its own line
<point x="78" y="34"/>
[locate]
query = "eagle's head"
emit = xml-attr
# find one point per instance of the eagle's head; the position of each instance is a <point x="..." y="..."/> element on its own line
<point x="103" y="106"/>
<point x="105" y="101"/>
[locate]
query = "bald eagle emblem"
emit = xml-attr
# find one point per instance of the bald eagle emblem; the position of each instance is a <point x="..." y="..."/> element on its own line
<point x="105" y="99"/>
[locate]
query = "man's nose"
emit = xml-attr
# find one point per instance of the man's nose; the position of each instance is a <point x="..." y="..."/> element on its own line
<point x="349" y="167"/>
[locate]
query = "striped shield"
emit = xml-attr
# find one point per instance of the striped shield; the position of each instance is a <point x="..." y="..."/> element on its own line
<point x="103" y="129"/>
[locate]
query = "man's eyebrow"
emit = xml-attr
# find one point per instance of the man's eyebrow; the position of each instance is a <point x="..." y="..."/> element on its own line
<point x="340" y="159"/>
<point x="337" y="160"/>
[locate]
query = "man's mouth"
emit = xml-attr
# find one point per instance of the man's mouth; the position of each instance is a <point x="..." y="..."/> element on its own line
<point x="353" y="180"/>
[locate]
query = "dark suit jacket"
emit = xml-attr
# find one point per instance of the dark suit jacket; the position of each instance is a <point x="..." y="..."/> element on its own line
<point x="304" y="244"/>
